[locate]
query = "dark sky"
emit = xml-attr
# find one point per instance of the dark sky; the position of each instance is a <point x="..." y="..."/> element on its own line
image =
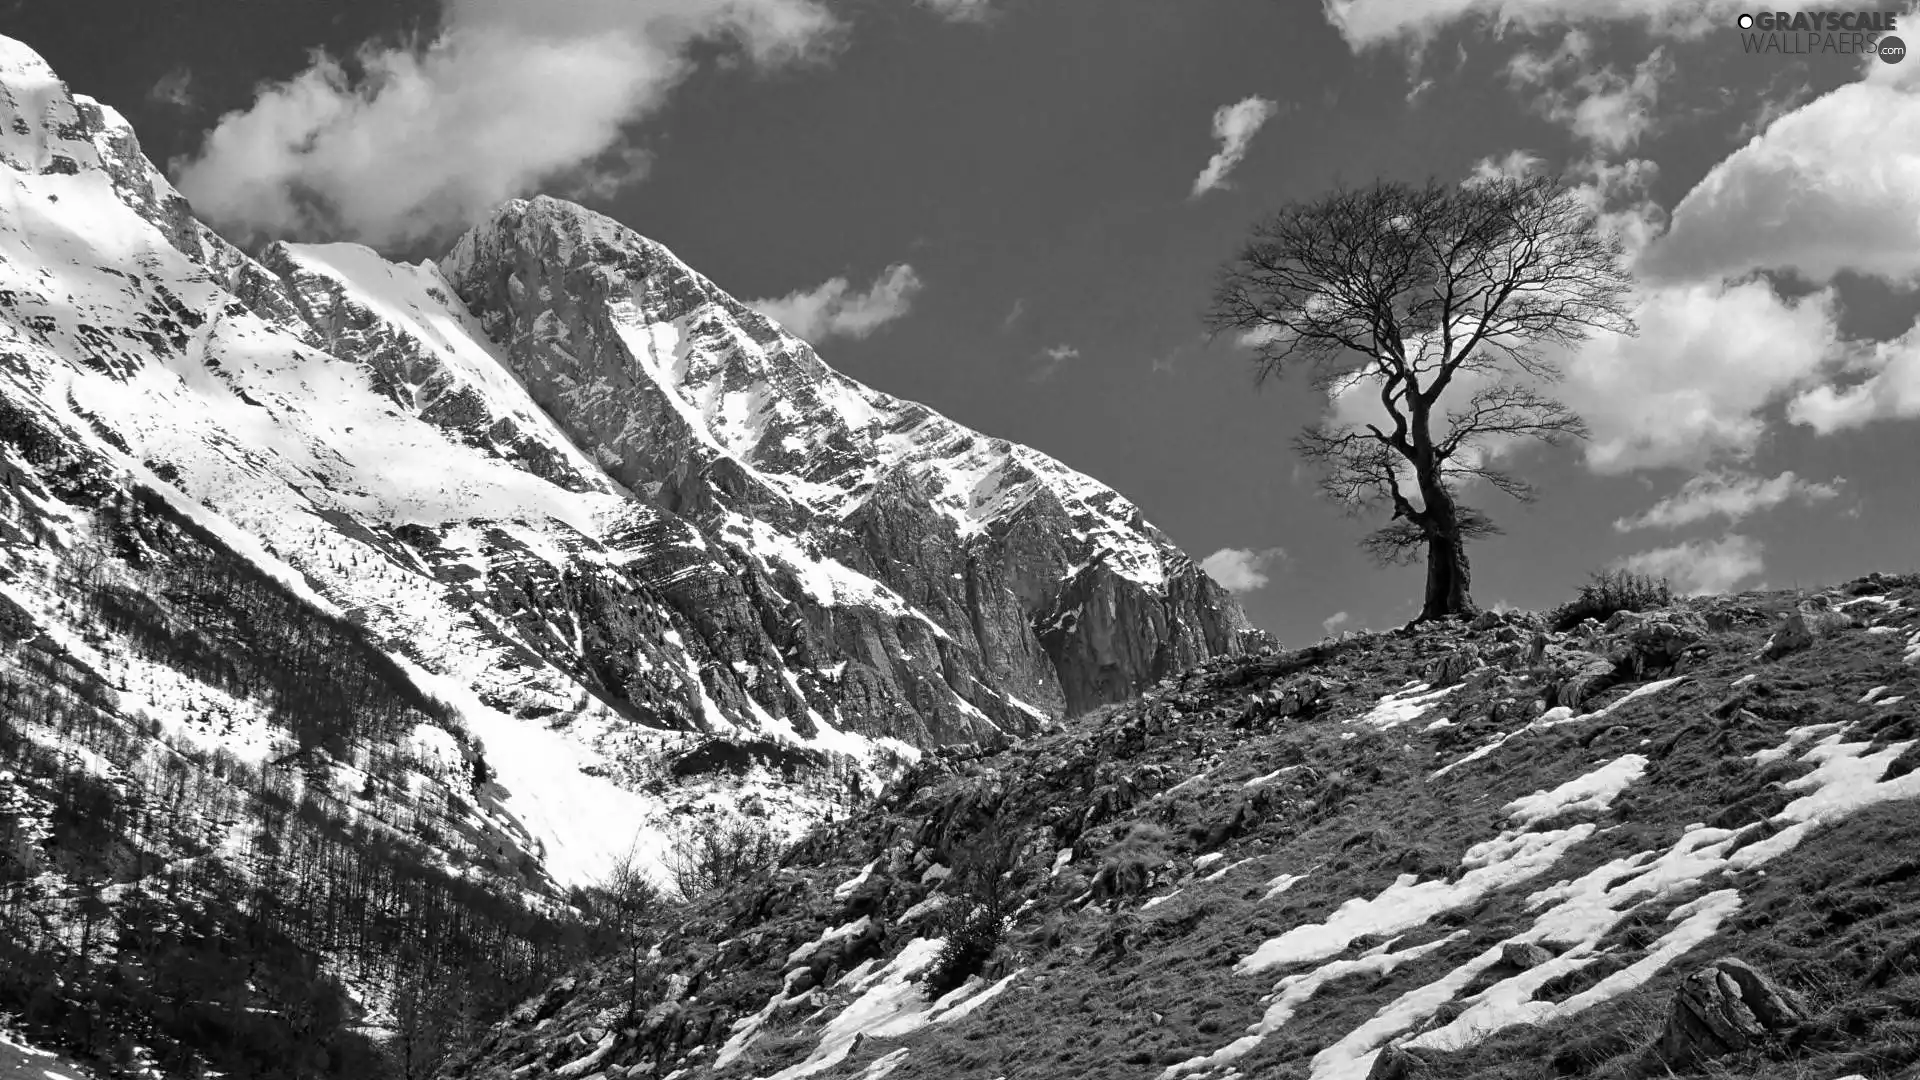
<point x="1042" y="163"/>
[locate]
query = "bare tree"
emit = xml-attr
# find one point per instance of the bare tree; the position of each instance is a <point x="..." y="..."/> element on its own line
<point x="1441" y="300"/>
<point x="628" y="905"/>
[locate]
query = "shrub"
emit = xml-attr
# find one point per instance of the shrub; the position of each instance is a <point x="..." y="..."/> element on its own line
<point x="988" y="878"/>
<point x="1610" y="591"/>
<point x="973" y="934"/>
<point x="1126" y="867"/>
<point x="711" y="853"/>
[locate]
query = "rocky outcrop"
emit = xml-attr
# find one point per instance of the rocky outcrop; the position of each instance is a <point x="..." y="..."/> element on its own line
<point x="1723" y="1008"/>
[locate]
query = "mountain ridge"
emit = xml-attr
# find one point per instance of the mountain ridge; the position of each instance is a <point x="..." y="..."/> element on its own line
<point x="743" y="566"/>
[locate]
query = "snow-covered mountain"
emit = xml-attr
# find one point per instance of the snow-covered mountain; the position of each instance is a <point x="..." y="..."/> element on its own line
<point x="641" y="549"/>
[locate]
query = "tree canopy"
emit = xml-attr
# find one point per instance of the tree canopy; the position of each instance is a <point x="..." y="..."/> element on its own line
<point x="1445" y="306"/>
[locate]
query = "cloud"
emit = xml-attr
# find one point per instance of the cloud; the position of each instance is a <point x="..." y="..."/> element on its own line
<point x="174" y="90"/>
<point x="1608" y="110"/>
<point x="396" y="144"/>
<point x="1700" y="567"/>
<point x="1234" y="126"/>
<point x="974" y="11"/>
<point x="1051" y="360"/>
<point x="1366" y="24"/>
<point x="1013" y="315"/>
<point x="1833" y="185"/>
<point x="1335" y="621"/>
<point x="834" y="309"/>
<point x="1890" y="390"/>
<point x="1242" y="569"/>
<point x="1513" y="165"/>
<point x="1692" y="386"/>
<point x="1728" y="495"/>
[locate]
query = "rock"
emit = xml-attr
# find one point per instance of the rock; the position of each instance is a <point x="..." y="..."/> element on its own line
<point x="1299" y="697"/>
<point x="1593" y="675"/>
<point x="1537" y="649"/>
<point x="1792" y="636"/>
<point x="15" y="622"/>
<point x="1524" y="954"/>
<point x="1722" y="1008"/>
<point x="1395" y="1063"/>
<point x="1612" y="738"/>
<point x="1034" y="601"/>
<point x="1486" y="620"/>
<point x="1453" y="667"/>
<point x="1639" y="641"/>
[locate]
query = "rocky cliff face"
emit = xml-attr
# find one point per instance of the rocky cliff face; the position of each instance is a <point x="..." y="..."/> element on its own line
<point x="715" y="413"/>
<point x="605" y="512"/>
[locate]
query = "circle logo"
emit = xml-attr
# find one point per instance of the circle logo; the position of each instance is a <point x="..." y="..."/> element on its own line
<point x="1746" y="22"/>
<point x="1892" y="49"/>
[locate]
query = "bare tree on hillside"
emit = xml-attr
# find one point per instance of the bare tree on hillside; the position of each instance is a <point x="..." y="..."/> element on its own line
<point x="1442" y="302"/>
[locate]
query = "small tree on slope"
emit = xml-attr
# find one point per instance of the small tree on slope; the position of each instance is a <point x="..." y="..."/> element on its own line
<point x="1435" y="309"/>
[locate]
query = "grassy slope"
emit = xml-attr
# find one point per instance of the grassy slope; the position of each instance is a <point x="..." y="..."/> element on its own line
<point x="1113" y="990"/>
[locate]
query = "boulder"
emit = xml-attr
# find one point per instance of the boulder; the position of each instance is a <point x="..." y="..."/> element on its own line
<point x="1593" y="675"/>
<point x="1722" y="1008"/>
<point x="1395" y="1063"/>
<point x="1537" y="649"/>
<point x="1639" y="641"/>
<point x="1524" y="954"/>
<point x="1792" y="636"/>
<point x="1453" y="667"/>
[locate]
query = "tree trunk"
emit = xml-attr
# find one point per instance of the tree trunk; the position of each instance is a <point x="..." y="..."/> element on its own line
<point x="1448" y="578"/>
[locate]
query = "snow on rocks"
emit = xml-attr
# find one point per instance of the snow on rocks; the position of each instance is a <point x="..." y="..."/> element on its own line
<point x="1553" y="718"/>
<point x="1594" y="791"/>
<point x="1511" y="1000"/>
<point x="1575" y="916"/>
<point x="890" y="1004"/>
<point x="1846" y="779"/>
<point x="1294" y="991"/>
<point x="853" y="929"/>
<point x="1507" y="860"/>
<point x="846" y="889"/>
<point x="1795" y="739"/>
<point x="1281" y="884"/>
<point x="884" y="1065"/>
<point x="1404" y="705"/>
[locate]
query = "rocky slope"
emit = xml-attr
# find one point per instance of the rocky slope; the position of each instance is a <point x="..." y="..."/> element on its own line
<point x="1661" y="843"/>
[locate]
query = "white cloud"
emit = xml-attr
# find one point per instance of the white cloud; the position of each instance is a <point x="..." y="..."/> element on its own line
<point x="1335" y="621"/>
<point x="1890" y="391"/>
<point x="1609" y="110"/>
<point x="834" y="309"/>
<point x="961" y="10"/>
<point x="1700" y="567"/>
<point x="1234" y="126"/>
<point x="1692" y="385"/>
<point x="512" y="93"/>
<point x="1052" y="359"/>
<point x="1833" y="185"/>
<point x="174" y="90"/>
<point x="1514" y="165"/>
<point x="1729" y="495"/>
<point x="1368" y="23"/>
<point x="1242" y="569"/>
<point x="1013" y="314"/>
